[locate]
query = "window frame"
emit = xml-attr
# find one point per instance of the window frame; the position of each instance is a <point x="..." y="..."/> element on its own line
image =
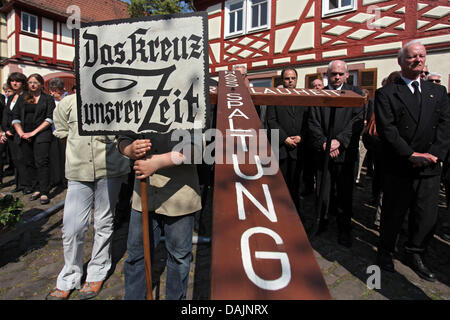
<point x="246" y="18"/>
<point x="327" y="12"/>
<point x="227" y="18"/>
<point x="250" y="18"/>
<point x="29" y="15"/>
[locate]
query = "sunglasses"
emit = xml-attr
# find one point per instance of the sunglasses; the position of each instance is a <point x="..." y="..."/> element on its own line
<point x="434" y="80"/>
<point x="425" y="72"/>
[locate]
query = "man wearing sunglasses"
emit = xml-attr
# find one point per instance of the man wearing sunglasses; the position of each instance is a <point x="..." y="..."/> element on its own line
<point x="434" y="77"/>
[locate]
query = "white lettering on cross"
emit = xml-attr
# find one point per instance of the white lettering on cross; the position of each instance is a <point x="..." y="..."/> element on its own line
<point x="258" y="175"/>
<point x="234" y="114"/>
<point x="285" y="277"/>
<point x="269" y="212"/>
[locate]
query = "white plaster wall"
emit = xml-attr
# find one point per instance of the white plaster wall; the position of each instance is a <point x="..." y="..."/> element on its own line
<point x="47" y="28"/>
<point x="289" y="10"/>
<point x="215" y="49"/>
<point x="11" y="46"/>
<point x="47" y="48"/>
<point x="304" y="38"/>
<point x="5" y="71"/>
<point x="28" y="44"/>
<point x="11" y="20"/>
<point x="281" y="37"/>
<point x="3" y="37"/>
<point x="214" y="25"/>
<point x="440" y="63"/>
<point x="27" y="70"/>
<point x="63" y="52"/>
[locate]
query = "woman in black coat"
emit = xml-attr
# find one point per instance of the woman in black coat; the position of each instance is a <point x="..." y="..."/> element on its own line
<point x="18" y="82"/>
<point x="32" y="120"/>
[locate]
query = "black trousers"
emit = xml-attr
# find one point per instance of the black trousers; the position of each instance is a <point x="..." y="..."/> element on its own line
<point x="37" y="169"/>
<point x="3" y="156"/>
<point x="292" y="174"/>
<point x="418" y="194"/>
<point x="338" y="192"/>
<point x="19" y="165"/>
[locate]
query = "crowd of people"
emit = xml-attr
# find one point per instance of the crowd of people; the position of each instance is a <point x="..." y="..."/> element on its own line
<point x="26" y="139"/>
<point x="403" y="135"/>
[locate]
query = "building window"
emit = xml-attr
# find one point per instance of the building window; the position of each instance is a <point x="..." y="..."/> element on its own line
<point x="333" y="7"/>
<point x="236" y="18"/>
<point x="258" y="14"/>
<point x="29" y="23"/>
<point x="243" y="16"/>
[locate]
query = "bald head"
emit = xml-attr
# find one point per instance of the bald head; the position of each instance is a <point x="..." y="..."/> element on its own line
<point x="337" y="73"/>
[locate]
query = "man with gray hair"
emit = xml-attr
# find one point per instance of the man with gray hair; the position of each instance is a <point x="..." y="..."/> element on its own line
<point x="56" y="89"/>
<point x="412" y="117"/>
<point x="434" y="77"/>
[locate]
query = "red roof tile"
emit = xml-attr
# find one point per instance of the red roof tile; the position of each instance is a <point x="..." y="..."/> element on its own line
<point x="91" y="10"/>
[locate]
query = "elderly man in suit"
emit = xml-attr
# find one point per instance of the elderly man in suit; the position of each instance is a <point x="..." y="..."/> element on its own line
<point x="413" y="121"/>
<point x="348" y="125"/>
<point x="290" y="121"/>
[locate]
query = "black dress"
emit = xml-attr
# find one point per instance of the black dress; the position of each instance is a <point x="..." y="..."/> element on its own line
<point x="36" y="152"/>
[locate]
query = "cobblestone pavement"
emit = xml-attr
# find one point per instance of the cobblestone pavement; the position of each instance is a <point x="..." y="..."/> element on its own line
<point x="31" y="257"/>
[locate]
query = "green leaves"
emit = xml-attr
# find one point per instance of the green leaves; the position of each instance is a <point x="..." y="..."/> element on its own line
<point x="139" y="8"/>
<point x="10" y="210"/>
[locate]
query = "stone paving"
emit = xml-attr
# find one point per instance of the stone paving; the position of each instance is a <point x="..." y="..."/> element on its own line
<point x="31" y="257"/>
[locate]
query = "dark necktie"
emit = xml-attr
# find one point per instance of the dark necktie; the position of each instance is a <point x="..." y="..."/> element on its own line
<point x="417" y="94"/>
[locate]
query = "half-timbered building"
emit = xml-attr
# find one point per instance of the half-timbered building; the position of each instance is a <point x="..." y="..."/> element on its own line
<point x="267" y="35"/>
<point x="37" y="36"/>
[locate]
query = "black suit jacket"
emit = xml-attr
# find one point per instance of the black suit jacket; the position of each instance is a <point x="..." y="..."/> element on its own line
<point x="7" y="115"/>
<point x="348" y="125"/>
<point x="43" y="110"/>
<point x="403" y="130"/>
<point x="290" y="121"/>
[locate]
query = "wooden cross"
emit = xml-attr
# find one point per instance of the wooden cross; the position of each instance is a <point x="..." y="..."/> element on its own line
<point x="260" y="249"/>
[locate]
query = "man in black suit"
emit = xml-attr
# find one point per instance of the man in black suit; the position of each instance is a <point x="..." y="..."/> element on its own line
<point x="343" y="154"/>
<point x="290" y="122"/>
<point x="413" y="121"/>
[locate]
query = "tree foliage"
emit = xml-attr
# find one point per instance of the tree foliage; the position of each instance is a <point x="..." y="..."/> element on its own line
<point x="139" y="8"/>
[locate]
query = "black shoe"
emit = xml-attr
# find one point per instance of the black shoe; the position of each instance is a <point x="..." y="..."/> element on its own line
<point x="446" y="233"/>
<point x="27" y="191"/>
<point x="446" y="236"/>
<point x="323" y="226"/>
<point x="384" y="261"/>
<point x="345" y="239"/>
<point x="416" y="263"/>
<point x="8" y="172"/>
<point x="17" y="189"/>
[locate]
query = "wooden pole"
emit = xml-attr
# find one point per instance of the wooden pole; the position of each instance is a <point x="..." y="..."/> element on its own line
<point x="146" y="239"/>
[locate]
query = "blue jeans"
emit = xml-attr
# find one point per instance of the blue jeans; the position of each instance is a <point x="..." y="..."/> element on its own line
<point x="178" y="233"/>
